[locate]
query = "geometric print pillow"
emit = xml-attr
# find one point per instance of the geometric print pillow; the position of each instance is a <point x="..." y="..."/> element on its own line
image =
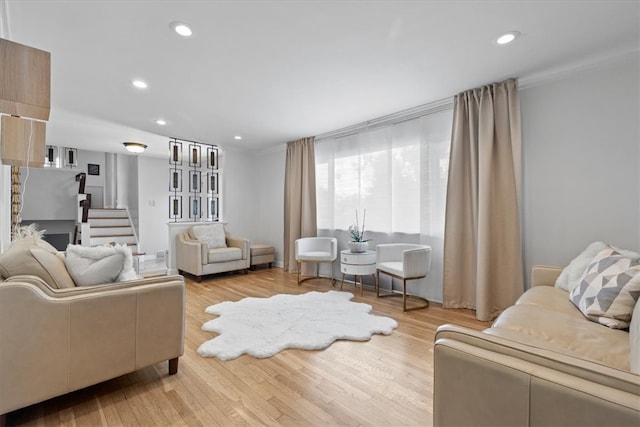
<point x="609" y="289"/>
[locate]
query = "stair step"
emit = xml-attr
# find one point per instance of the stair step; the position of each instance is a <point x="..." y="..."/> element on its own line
<point x="108" y="213"/>
<point x="101" y="240"/>
<point x="108" y="222"/>
<point x="110" y="230"/>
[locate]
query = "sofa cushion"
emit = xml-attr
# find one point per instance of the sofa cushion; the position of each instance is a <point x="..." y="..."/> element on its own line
<point x="99" y="265"/>
<point x="559" y="332"/>
<point x="572" y="274"/>
<point x="19" y="259"/>
<point x="212" y="234"/>
<point x="550" y="298"/>
<point x="224" y="255"/>
<point x="609" y="289"/>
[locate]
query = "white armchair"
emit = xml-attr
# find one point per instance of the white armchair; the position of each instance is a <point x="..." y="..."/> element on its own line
<point x="316" y="250"/>
<point x="404" y="261"/>
<point x="221" y="253"/>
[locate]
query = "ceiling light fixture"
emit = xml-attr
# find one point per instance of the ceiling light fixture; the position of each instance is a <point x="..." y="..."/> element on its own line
<point x="181" y="28"/>
<point x="508" y="37"/>
<point x="161" y="122"/>
<point x="238" y="137"/>
<point x="140" y="84"/>
<point x="134" y="147"/>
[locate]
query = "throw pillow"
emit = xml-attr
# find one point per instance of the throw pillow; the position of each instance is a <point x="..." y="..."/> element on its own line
<point x="54" y="265"/>
<point x="609" y="289"/>
<point x="99" y="265"/>
<point x="572" y="274"/>
<point x="212" y="234"/>
<point x="19" y="259"/>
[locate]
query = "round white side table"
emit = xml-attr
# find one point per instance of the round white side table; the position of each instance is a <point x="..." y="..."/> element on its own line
<point x="358" y="265"/>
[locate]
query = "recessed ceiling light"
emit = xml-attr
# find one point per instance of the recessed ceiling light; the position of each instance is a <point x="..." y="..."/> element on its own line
<point x="140" y="84"/>
<point x="238" y="137"/>
<point x="508" y="37"/>
<point x="181" y="28"/>
<point x="161" y="122"/>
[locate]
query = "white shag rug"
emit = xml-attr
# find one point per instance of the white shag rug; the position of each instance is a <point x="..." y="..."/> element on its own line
<point x="262" y="327"/>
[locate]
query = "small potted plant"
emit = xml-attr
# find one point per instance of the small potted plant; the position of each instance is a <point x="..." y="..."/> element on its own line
<point x="358" y="243"/>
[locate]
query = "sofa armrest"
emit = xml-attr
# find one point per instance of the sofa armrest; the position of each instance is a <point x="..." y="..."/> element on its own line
<point x="498" y="381"/>
<point x="501" y="382"/>
<point x="241" y="243"/>
<point x="542" y="275"/>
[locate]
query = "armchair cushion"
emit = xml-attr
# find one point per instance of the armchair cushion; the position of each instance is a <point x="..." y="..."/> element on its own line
<point x="212" y="234"/>
<point x="224" y="254"/>
<point x="34" y="256"/>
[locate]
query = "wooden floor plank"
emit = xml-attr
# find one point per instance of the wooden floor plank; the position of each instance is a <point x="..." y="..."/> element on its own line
<point x="387" y="380"/>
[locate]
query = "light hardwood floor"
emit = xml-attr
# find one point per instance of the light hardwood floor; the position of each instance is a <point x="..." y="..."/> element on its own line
<point x="386" y="381"/>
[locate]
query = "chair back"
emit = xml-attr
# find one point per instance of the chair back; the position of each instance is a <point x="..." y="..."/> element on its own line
<point x="415" y="258"/>
<point x="317" y="244"/>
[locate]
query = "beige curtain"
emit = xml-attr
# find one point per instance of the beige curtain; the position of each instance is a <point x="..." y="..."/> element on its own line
<point x="482" y="243"/>
<point x="299" y="197"/>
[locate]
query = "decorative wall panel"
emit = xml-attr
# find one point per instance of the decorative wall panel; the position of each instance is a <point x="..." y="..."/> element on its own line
<point x="197" y="163"/>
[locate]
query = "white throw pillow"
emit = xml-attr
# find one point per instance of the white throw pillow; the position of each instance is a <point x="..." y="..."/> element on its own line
<point x="98" y="265"/>
<point x="212" y="234"/>
<point x="609" y="289"/>
<point x="572" y="274"/>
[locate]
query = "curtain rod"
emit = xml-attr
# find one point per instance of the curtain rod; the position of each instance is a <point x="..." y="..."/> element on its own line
<point x="398" y="117"/>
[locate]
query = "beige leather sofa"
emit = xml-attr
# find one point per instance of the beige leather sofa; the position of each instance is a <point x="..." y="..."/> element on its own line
<point x="194" y="256"/>
<point x="541" y="363"/>
<point x="54" y="339"/>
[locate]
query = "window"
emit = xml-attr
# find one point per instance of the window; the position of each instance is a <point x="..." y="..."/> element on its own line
<point x="397" y="172"/>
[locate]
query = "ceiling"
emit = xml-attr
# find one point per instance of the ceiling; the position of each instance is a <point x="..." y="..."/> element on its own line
<point x="275" y="71"/>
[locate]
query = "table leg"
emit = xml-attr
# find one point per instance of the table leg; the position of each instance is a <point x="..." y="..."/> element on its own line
<point x="342" y="283"/>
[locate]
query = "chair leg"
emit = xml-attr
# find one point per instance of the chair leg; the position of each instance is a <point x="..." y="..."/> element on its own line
<point x="404" y="294"/>
<point x="299" y="268"/>
<point x="173" y="366"/>
<point x="333" y="279"/>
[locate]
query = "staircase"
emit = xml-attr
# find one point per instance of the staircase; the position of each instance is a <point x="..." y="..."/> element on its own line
<point x="109" y="226"/>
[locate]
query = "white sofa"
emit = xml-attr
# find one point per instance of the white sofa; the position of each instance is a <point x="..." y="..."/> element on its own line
<point x="57" y="337"/>
<point x="541" y="363"/>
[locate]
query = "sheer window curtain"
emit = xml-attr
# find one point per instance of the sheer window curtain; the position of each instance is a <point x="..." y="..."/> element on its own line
<point x="299" y="197"/>
<point x="483" y="248"/>
<point x="398" y="173"/>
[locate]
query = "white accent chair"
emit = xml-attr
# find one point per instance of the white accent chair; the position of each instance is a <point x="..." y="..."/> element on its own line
<point x="316" y="250"/>
<point x="404" y="261"/>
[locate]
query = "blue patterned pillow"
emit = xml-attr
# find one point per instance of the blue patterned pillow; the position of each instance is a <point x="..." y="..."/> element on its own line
<point x="609" y="289"/>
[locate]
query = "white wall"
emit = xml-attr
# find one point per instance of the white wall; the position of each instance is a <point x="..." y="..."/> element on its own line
<point x="269" y="165"/>
<point x="49" y="194"/>
<point x="153" y="208"/>
<point x="581" y="157"/>
<point x="240" y="186"/>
